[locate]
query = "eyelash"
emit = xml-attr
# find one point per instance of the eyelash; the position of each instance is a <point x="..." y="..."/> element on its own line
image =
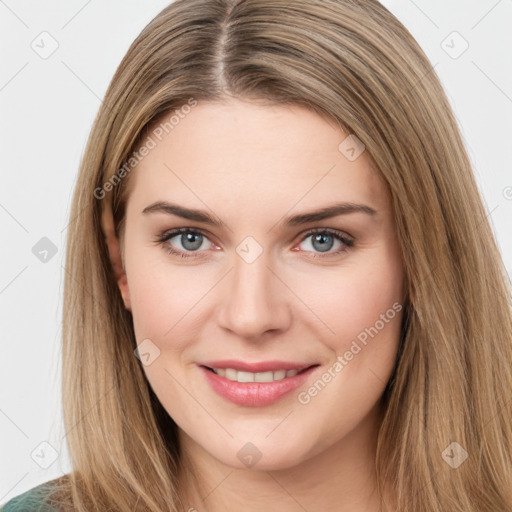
<point x="164" y="237"/>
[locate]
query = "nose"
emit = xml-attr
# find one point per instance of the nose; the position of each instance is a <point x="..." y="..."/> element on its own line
<point x="256" y="300"/>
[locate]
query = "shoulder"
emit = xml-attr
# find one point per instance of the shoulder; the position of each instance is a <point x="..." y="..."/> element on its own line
<point x="33" y="500"/>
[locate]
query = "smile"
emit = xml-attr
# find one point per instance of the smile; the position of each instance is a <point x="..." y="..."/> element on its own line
<point x="256" y="388"/>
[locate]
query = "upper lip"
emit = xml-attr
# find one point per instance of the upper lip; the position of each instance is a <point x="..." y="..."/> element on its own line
<point x="263" y="366"/>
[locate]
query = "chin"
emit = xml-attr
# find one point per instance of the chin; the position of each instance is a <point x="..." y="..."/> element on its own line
<point x="261" y="455"/>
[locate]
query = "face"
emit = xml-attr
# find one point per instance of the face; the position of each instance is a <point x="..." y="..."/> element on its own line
<point x="263" y="281"/>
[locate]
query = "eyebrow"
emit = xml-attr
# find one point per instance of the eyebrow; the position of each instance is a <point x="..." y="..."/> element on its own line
<point x="295" y="220"/>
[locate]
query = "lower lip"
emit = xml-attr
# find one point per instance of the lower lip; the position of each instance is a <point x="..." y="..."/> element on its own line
<point x="255" y="394"/>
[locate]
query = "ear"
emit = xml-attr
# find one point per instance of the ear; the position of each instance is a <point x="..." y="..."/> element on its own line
<point x="115" y="254"/>
<point x="122" y="282"/>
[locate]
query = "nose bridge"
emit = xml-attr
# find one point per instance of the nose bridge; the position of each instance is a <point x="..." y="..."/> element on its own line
<point x="254" y="303"/>
<point x="251" y="279"/>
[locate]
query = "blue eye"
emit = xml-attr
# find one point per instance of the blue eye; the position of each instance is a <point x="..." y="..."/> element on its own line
<point x="193" y="240"/>
<point x="324" y="239"/>
<point x="190" y="239"/>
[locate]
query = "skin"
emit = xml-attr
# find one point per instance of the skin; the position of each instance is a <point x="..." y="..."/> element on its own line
<point x="250" y="165"/>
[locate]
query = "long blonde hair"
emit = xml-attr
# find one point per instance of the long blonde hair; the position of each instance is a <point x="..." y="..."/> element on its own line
<point x="356" y="63"/>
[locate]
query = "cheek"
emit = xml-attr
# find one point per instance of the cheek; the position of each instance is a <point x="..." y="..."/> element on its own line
<point x="360" y="310"/>
<point x="159" y="301"/>
<point x="165" y="298"/>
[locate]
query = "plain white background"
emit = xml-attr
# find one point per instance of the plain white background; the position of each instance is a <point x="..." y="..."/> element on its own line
<point x="48" y="103"/>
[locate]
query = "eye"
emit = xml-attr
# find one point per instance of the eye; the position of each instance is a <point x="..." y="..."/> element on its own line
<point x="191" y="241"/>
<point x="323" y="240"/>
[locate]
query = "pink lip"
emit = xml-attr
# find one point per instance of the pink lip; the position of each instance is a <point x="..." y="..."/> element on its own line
<point x="254" y="394"/>
<point x="264" y="366"/>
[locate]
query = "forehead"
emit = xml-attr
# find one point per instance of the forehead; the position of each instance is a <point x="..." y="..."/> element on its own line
<point x="244" y="153"/>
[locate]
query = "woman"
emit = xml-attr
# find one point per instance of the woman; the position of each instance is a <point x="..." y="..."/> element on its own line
<point x="282" y="288"/>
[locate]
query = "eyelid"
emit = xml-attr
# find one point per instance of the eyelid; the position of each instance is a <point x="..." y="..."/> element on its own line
<point x="336" y="232"/>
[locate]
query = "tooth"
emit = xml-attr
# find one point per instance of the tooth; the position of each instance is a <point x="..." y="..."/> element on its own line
<point x="239" y="376"/>
<point x="264" y="377"/>
<point x="245" y="377"/>
<point x="279" y="374"/>
<point x="231" y="374"/>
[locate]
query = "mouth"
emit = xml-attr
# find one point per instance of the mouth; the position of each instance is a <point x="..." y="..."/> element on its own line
<point x="256" y="384"/>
